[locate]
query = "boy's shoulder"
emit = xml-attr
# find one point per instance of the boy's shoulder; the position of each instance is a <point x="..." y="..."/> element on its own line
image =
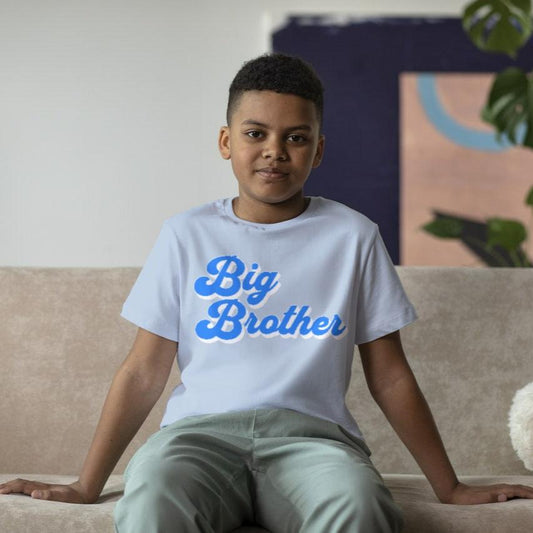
<point x="340" y="215"/>
<point x="196" y="214"/>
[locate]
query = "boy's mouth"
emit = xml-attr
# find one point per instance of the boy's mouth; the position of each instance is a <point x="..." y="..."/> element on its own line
<point x="273" y="173"/>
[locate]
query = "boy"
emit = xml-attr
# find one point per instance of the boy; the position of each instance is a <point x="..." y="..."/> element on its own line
<point x="266" y="295"/>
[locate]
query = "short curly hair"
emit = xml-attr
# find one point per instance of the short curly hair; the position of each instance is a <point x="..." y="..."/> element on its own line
<point x="280" y="73"/>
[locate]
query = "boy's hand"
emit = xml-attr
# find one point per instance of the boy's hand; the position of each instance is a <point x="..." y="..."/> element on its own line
<point x="473" y="494"/>
<point x="73" y="493"/>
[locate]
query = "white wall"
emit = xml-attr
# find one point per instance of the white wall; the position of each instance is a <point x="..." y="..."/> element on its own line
<point x="109" y="114"/>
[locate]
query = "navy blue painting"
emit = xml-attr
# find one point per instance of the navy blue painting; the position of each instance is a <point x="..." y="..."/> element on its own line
<point x="360" y="63"/>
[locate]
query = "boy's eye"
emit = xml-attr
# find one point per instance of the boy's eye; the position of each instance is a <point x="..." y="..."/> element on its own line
<point x="294" y="138"/>
<point x="254" y="134"/>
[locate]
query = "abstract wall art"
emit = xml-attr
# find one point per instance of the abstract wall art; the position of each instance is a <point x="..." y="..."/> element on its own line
<point x="404" y="138"/>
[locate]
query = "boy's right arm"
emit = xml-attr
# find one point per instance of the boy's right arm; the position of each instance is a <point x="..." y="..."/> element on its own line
<point x="135" y="389"/>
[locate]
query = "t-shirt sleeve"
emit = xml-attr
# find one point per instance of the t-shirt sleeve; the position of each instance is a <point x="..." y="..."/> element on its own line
<point x="153" y="303"/>
<point x="382" y="305"/>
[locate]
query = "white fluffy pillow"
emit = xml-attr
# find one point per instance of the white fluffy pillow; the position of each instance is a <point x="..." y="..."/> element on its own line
<point x="521" y="424"/>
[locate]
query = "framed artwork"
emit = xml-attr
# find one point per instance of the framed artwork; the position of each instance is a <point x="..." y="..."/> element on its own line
<point x="404" y="140"/>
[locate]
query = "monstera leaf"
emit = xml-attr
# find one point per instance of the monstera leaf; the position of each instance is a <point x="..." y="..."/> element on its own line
<point x="444" y="228"/>
<point x="510" y="106"/>
<point x="529" y="197"/>
<point x="497" y="242"/>
<point x="498" y="25"/>
<point x="508" y="234"/>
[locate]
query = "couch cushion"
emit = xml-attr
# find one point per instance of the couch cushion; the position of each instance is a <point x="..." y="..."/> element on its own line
<point x="21" y="514"/>
<point x="423" y="513"/>
<point x="61" y="341"/>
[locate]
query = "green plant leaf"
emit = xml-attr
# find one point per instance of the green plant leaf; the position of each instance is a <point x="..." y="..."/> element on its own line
<point x="502" y="26"/>
<point x="508" y="234"/>
<point x="444" y="228"/>
<point x="528" y="140"/>
<point x="509" y="106"/>
<point x="529" y="197"/>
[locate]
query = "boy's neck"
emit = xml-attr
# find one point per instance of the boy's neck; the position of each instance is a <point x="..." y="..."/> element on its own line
<point x="263" y="213"/>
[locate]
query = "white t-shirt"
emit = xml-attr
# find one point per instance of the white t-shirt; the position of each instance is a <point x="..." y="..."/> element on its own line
<point x="267" y="315"/>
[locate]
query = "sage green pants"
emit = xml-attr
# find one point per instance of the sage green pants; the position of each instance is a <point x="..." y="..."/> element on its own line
<point x="280" y="469"/>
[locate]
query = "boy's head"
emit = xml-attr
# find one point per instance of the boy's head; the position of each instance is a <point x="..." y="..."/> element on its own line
<point x="273" y="136"/>
<point x="279" y="73"/>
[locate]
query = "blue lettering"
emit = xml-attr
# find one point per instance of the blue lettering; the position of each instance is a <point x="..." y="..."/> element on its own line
<point x="251" y="325"/>
<point x="321" y="326"/>
<point x="269" y="325"/>
<point x="224" y="279"/>
<point x="228" y="323"/>
<point x="336" y="329"/>
<point x="264" y="283"/>
<point x="247" y="282"/>
<point x="225" y="324"/>
<point x="301" y="322"/>
<point x="229" y="319"/>
<point x="284" y="326"/>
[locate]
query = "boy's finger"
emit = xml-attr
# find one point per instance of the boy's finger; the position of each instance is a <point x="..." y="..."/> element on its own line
<point x="23" y="486"/>
<point x="518" y="491"/>
<point x="15" y="485"/>
<point x="502" y="493"/>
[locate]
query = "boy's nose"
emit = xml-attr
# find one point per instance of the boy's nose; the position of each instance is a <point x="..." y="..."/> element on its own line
<point x="275" y="150"/>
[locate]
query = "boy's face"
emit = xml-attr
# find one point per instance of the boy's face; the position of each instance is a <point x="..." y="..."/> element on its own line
<point x="273" y="142"/>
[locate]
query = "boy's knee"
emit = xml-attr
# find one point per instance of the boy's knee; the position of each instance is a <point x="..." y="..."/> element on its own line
<point x="151" y="505"/>
<point x="186" y="495"/>
<point x="156" y="480"/>
<point x="361" y="503"/>
<point x="370" y="506"/>
<point x="378" y="511"/>
<point x="154" y="492"/>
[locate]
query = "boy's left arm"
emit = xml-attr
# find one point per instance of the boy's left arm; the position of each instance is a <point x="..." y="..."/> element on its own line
<point x="394" y="388"/>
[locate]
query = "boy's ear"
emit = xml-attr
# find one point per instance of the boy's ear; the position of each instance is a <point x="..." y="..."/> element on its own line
<point x="224" y="143"/>
<point x="319" y="151"/>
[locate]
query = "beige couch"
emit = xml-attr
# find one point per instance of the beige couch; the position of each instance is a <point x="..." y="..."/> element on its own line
<point x="61" y="338"/>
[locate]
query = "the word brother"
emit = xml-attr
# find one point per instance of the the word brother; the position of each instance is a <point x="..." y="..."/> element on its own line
<point x="230" y="318"/>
